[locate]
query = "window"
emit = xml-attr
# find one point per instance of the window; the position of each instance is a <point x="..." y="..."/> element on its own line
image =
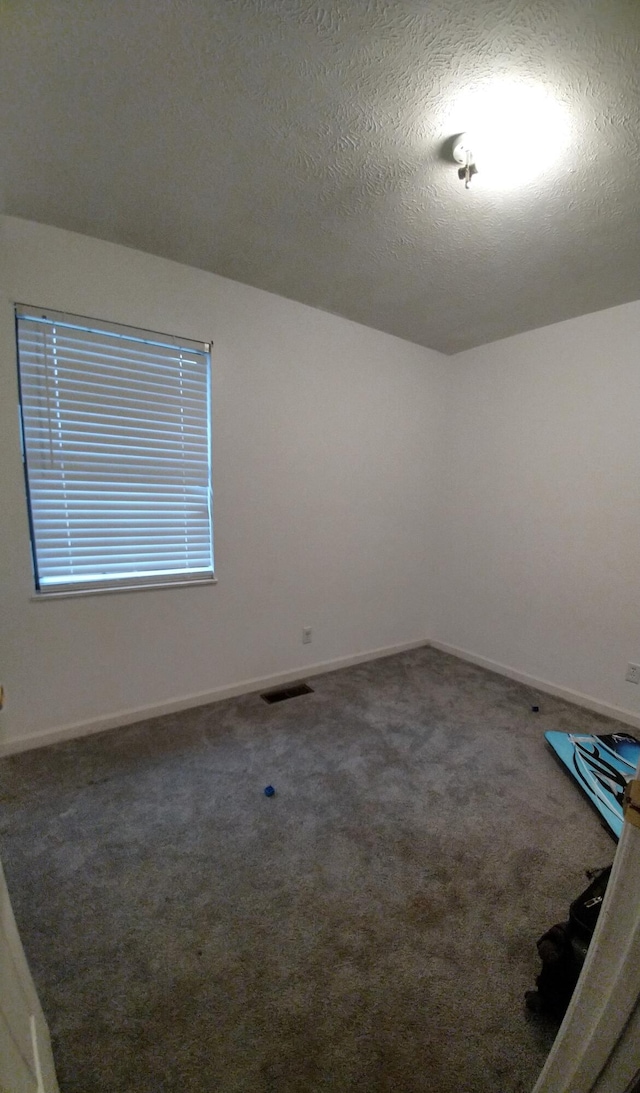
<point x="116" y="443"/>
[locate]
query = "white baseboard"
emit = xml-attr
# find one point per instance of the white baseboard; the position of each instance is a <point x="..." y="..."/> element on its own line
<point x="203" y="698"/>
<point x="575" y="697"/>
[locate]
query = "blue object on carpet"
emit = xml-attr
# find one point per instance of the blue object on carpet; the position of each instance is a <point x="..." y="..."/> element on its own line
<point x="602" y="766"/>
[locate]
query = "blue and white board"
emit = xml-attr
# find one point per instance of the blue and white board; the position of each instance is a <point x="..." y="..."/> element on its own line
<point x="602" y="766"/>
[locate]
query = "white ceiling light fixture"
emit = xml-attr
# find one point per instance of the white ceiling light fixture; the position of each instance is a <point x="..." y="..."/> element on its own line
<point x="516" y="131"/>
<point x="463" y="154"/>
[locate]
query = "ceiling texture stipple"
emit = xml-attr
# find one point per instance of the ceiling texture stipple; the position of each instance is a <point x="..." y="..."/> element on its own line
<point x="301" y="147"/>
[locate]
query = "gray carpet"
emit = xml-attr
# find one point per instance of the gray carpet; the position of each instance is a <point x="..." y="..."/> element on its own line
<point x="371" y="927"/>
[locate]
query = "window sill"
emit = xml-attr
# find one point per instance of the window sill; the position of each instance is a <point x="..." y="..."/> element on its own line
<point x="71" y="593"/>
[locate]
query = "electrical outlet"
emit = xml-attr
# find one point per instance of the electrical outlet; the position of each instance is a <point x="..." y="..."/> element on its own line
<point x="306" y="638"/>
<point x="633" y="673"/>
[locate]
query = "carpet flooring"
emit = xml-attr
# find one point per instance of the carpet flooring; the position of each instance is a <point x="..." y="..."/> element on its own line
<point x="371" y="927"/>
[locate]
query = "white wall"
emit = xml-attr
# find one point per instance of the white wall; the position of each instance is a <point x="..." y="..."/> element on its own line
<point x="325" y="445"/>
<point x="541" y="555"/>
<point x="366" y="487"/>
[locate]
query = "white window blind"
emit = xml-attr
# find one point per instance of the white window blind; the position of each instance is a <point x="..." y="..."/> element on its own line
<point x="116" y="437"/>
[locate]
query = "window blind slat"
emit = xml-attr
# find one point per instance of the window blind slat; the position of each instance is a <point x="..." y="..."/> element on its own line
<point x="85" y="440"/>
<point x="128" y="505"/>
<point x="92" y="360"/>
<point x="82" y="456"/>
<point x="36" y="333"/>
<point x="116" y="439"/>
<point x="96" y="388"/>
<point x="60" y="371"/>
<point x="126" y="579"/>
<point x="107" y="559"/>
<point x="100" y="568"/>
<point x="96" y="417"/>
<point x="120" y="349"/>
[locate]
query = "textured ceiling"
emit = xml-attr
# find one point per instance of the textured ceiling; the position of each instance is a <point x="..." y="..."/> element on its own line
<point x="298" y="146"/>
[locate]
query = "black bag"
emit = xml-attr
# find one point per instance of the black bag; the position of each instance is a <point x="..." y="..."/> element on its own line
<point x="584" y="911"/>
<point x="563" y="949"/>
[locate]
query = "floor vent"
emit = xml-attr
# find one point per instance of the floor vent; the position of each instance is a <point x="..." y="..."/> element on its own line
<point x="288" y="692"/>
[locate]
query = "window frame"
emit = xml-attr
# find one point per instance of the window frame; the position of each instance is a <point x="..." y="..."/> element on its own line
<point x="112" y="583"/>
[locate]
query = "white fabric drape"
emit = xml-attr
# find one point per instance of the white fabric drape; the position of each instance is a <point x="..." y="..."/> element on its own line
<point x="597" y="1049"/>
